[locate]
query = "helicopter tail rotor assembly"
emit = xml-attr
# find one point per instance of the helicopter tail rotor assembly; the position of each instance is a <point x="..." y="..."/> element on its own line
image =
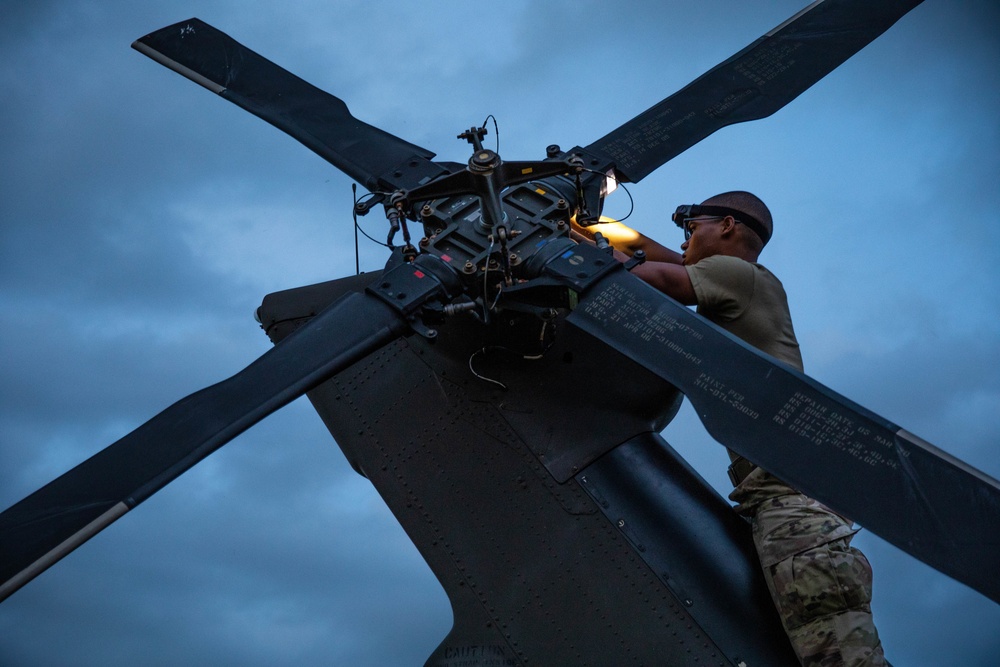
<point x="507" y="403"/>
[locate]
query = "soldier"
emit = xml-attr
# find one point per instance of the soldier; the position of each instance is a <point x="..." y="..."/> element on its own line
<point x="820" y="584"/>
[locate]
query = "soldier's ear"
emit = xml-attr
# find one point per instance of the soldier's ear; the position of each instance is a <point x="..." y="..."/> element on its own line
<point x="728" y="225"/>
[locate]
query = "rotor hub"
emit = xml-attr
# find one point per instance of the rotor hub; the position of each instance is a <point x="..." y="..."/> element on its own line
<point x="484" y="161"/>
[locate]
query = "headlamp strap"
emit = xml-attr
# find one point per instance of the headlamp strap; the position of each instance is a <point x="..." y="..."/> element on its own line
<point x="687" y="211"/>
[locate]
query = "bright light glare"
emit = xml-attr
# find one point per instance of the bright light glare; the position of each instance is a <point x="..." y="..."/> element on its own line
<point x="610" y="182"/>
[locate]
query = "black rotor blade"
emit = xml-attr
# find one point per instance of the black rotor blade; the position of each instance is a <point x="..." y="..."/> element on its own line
<point x="319" y="120"/>
<point x="752" y="84"/>
<point x="919" y="498"/>
<point x="59" y="517"/>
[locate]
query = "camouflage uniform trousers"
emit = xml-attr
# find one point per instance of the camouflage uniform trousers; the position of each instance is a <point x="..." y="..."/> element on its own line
<point x="820" y="584"/>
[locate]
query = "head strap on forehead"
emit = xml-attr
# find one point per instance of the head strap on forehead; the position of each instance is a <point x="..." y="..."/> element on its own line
<point x="687" y="211"/>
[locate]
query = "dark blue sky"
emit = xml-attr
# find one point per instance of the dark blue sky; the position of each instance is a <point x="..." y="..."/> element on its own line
<point x="143" y="220"/>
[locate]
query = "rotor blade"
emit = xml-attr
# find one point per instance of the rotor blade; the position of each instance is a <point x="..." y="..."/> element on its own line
<point x="917" y="497"/>
<point x="752" y="84"/>
<point x="319" y="120"/>
<point x="59" y="517"/>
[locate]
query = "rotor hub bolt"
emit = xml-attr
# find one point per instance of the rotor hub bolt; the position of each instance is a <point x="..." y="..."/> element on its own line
<point x="484" y="160"/>
<point x="426" y="211"/>
<point x="469" y="267"/>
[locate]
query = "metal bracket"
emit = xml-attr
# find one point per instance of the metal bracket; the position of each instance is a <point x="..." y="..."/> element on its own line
<point x="638" y="257"/>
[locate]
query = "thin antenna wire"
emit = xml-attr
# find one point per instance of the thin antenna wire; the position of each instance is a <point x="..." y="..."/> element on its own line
<point x="631" y="202"/>
<point x="354" y="213"/>
<point x="496" y="130"/>
<point x="483" y="377"/>
<point x="358" y="227"/>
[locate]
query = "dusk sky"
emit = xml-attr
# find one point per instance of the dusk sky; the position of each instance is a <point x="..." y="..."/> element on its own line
<point x="143" y="219"/>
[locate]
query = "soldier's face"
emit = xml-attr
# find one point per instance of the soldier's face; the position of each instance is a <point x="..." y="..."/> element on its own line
<point x="700" y="239"/>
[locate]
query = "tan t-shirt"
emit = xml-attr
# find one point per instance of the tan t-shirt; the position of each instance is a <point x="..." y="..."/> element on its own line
<point x="749" y="302"/>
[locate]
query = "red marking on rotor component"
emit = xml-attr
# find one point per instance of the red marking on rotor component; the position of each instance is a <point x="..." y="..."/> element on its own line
<point x="446" y="258"/>
<point x="418" y="274"/>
